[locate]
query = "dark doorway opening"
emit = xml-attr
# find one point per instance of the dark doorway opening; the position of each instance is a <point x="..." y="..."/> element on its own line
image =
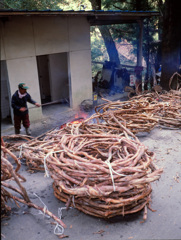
<point x="44" y="81"/>
<point x="5" y="94"/>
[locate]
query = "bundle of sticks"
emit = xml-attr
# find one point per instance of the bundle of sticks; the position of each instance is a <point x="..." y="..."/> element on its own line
<point x="144" y="112"/>
<point x="35" y="151"/>
<point x="13" y="142"/>
<point x="7" y="173"/>
<point x="8" y="189"/>
<point x="103" y="175"/>
<point x="29" y="148"/>
<point x="103" y="171"/>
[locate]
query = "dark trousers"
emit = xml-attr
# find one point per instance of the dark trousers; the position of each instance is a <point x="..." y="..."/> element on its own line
<point x="24" y="119"/>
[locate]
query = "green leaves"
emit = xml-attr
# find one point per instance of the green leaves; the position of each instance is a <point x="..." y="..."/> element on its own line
<point x="31" y="5"/>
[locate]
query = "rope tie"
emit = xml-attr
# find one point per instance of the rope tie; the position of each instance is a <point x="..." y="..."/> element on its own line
<point x="21" y="149"/>
<point x="113" y="171"/>
<point x="45" y="207"/>
<point x="44" y="161"/>
<point x="73" y="201"/>
<point x="59" y="230"/>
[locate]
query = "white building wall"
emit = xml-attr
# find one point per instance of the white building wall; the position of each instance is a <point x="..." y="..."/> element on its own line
<point x="79" y="34"/>
<point x="81" y="86"/>
<point x="50" y="35"/>
<point x="25" y="70"/>
<point x="25" y="37"/>
<point x="18" y="38"/>
<point x="80" y="61"/>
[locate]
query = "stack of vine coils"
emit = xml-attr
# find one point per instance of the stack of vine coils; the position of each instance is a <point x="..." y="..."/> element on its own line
<point x="166" y="107"/>
<point x="142" y="113"/>
<point x="103" y="175"/>
<point x="136" y="115"/>
<point x="100" y="169"/>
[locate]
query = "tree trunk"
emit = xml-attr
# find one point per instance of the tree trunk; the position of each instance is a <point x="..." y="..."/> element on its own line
<point x="96" y="4"/>
<point x="110" y="44"/>
<point x="171" y="41"/>
<point x="106" y="35"/>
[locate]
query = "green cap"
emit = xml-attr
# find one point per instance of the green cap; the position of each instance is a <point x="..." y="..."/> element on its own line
<point x="22" y="85"/>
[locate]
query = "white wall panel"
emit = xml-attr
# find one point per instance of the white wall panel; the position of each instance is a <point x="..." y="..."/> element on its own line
<point x="51" y="35"/>
<point x="79" y="33"/>
<point x="25" y="70"/>
<point x="18" y="37"/>
<point x="81" y="77"/>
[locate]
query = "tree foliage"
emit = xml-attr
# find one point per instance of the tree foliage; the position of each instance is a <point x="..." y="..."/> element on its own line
<point x="31" y="5"/>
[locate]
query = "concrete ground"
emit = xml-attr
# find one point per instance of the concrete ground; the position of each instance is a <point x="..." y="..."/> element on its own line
<point x="27" y="224"/>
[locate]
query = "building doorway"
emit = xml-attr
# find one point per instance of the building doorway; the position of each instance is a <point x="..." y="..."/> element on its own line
<point x="5" y="95"/>
<point x="44" y="81"/>
<point x="53" y="77"/>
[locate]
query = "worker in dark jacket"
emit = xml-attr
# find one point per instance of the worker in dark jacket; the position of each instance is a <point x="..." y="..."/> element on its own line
<point x="20" y="109"/>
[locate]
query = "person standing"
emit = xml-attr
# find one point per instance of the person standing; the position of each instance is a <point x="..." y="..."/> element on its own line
<point x="20" y="110"/>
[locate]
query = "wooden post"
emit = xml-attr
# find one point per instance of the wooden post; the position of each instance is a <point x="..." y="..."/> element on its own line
<point x="138" y="69"/>
<point x="140" y="45"/>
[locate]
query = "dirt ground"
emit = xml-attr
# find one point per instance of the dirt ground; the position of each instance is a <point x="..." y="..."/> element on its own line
<point x="28" y="224"/>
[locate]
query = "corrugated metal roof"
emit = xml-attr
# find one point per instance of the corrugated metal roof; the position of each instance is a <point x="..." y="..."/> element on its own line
<point x="2" y="11"/>
<point x="95" y="17"/>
